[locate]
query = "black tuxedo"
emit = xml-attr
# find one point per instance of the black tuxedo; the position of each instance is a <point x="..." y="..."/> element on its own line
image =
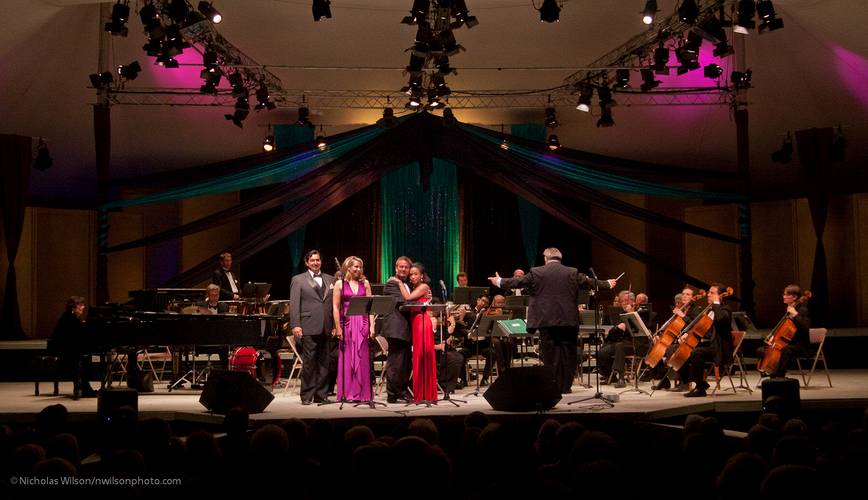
<point x="221" y="279"/>
<point x="222" y="307"/>
<point x="798" y="346"/>
<point x="310" y="308"/>
<point x="396" y="329"/>
<point x="716" y="345"/>
<point x="553" y="310"/>
<point x="68" y="343"/>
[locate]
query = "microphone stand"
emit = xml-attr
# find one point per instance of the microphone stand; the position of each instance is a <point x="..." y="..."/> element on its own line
<point x="597" y="395"/>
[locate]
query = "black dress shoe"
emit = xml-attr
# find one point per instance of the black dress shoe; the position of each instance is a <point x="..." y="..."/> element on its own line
<point x="323" y="401"/>
<point x="662" y="385"/>
<point x="306" y="401"/>
<point x="391" y="399"/>
<point x="696" y="393"/>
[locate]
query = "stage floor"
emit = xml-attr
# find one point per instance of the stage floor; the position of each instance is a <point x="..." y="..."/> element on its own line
<point x="850" y="391"/>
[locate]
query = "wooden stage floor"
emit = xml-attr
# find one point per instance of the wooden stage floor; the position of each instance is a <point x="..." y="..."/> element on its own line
<point x="19" y="404"/>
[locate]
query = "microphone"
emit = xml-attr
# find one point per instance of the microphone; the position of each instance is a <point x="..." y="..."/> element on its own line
<point x="593" y="274"/>
<point x="443" y="288"/>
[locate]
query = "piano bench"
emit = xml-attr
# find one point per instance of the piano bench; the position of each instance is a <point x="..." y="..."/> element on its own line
<point x="45" y="368"/>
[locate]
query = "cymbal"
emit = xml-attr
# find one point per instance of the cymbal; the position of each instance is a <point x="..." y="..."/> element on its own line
<point x="196" y="310"/>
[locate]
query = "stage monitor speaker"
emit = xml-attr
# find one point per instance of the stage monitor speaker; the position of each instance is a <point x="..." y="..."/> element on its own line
<point x="109" y="400"/>
<point x="781" y="396"/>
<point x="226" y="389"/>
<point x="529" y="388"/>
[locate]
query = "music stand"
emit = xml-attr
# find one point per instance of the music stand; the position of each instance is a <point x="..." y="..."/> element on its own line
<point x="375" y="305"/>
<point x="636" y="327"/>
<point x="486" y="323"/>
<point x="597" y="395"/>
<point x="468" y="294"/>
<point x="513" y="328"/>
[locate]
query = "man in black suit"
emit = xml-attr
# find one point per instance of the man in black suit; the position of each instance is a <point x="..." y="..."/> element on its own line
<point x="222" y="277"/>
<point x="716" y="344"/>
<point x="553" y="310"/>
<point x="69" y="344"/>
<point x="396" y="329"/>
<point x="797" y="312"/>
<point x="312" y="322"/>
<point x="212" y="301"/>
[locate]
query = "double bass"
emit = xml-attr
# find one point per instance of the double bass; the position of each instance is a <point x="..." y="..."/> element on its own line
<point x="669" y="333"/>
<point x="780" y="337"/>
<point x="695" y="333"/>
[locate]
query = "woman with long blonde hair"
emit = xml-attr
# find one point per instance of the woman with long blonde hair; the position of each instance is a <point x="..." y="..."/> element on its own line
<point x="354" y="369"/>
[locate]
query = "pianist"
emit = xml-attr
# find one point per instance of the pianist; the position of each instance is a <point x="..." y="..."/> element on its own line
<point x="212" y="301"/>
<point x="68" y="343"/>
<point x="223" y="278"/>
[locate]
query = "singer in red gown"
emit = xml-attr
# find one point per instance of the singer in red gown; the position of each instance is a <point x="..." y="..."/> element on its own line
<point x="424" y="364"/>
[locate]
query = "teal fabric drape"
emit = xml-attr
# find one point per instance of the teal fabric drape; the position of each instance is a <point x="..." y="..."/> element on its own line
<point x="422" y="225"/>
<point x="286" y="136"/>
<point x="283" y="170"/>
<point x="528" y="213"/>
<point x="602" y="180"/>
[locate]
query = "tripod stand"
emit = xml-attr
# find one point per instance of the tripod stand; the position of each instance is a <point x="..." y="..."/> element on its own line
<point x="597" y="395"/>
<point x="486" y="322"/>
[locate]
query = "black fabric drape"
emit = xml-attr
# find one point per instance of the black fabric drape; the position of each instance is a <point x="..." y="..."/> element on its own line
<point x="815" y="153"/>
<point x="15" y="160"/>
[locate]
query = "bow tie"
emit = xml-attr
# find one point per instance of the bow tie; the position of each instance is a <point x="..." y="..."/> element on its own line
<point x="317" y="275"/>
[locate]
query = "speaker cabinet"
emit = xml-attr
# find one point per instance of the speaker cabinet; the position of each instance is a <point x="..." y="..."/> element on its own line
<point x="227" y="389"/>
<point x="781" y="396"/>
<point x="529" y="388"/>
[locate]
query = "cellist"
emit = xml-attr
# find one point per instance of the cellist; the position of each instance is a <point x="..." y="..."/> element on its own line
<point x="716" y="345"/>
<point x="798" y="313"/>
<point x="688" y="309"/>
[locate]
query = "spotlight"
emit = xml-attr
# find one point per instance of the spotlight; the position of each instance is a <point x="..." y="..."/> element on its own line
<point x="440" y="85"/>
<point x="120" y="15"/>
<point x="130" y="71"/>
<point x="268" y="143"/>
<point x="745" y="12"/>
<point x="449" y="117"/>
<point x="785" y="154"/>
<point x="321" y="142"/>
<point x="443" y="66"/>
<point x="551" y="118"/>
<point x="622" y="79"/>
<point x="304" y="118"/>
<point x="414" y="103"/>
<point x="713" y="71"/>
<point x="648" y="81"/>
<point x="178" y="10"/>
<point x="549" y="12"/>
<point x="150" y="16"/>
<point x="263" y="100"/>
<point x="237" y="82"/>
<point x="419" y="13"/>
<point x="605" y="95"/>
<point x="101" y="80"/>
<point x="766" y="12"/>
<point x="43" y="160"/>
<point x="606" y="119"/>
<point x="504" y="145"/>
<point x="212" y="80"/>
<point x="208" y="10"/>
<point x="388" y="120"/>
<point x="553" y="142"/>
<point x="321" y="9"/>
<point x="167" y="61"/>
<point x="459" y="12"/>
<point x="661" y="59"/>
<point x="688" y="53"/>
<point x="741" y="79"/>
<point x="209" y="59"/>
<point x="416" y="64"/>
<point x="585" y="96"/>
<point x="650" y="10"/>
<point x="242" y="109"/>
<point x="433" y="100"/>
<point x="722" y="50"/>
<point x="688" y="11"/>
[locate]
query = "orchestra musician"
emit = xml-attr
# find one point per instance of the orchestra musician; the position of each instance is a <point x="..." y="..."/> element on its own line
<point x="212" y="301"/>
<point x="553" y="311"/>
<point x="474" y="345"/>
<point x="448" y="372"/>
<point x="618" y="343"/>
<point x="501" y="348"/>
<point x="715" y="346"/>
<point x="223" y="278"/>
<point x="798" y="346"/>
<point x="462" y="279"/>
<point x="687" y="309"/>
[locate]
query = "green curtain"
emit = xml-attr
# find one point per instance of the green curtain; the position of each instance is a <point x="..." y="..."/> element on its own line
<point x="528" y="213"/>
<point x="422" y="225"/>
<point x="287" y="136"/>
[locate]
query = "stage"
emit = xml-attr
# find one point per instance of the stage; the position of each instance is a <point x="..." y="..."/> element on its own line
<point x="848" y="394"/>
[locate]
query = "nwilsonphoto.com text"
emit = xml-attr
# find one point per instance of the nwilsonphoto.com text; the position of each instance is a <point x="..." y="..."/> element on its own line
<point x="72" y="481"/>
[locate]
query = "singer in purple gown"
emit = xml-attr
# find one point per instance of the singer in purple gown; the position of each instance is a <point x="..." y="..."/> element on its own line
<point x="354" y="362"/>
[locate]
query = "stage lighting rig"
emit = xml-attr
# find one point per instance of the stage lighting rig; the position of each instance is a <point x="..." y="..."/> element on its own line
<point x="551" y="118"/>
<point x="648" y="81"/>
<point x="745" y="11"/>
<point x="418" y="13"/>
<point x="207" y="9"/>
<point x="120" y="15"/>
<point x="321" y="9"/>
<point x="586" y="93"/>
<point x="770" y="21"/>
<point x="130" y="71"/>
<point x="688" y="11"/>
<point x="461" y="15"/>
<point x="649" y="12"/>
<point x="553" y="143"/>
<point x="549" y="11"/>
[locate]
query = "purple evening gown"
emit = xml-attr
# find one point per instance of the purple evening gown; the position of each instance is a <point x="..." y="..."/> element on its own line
<point x="354" y="363"/>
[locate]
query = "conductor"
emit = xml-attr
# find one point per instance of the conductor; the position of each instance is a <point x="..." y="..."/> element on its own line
<point x="553" y="311"/>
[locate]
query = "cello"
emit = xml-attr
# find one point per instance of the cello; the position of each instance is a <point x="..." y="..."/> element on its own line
<point x="695" y="333"/>
<point x="779" y="338"/>
<point x="668" y="333"/>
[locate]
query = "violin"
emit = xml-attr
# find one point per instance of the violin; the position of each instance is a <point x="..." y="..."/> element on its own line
<point x="695" y="333"/>
<point x="669" y="333"/>
<point x="780" y="337"/>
